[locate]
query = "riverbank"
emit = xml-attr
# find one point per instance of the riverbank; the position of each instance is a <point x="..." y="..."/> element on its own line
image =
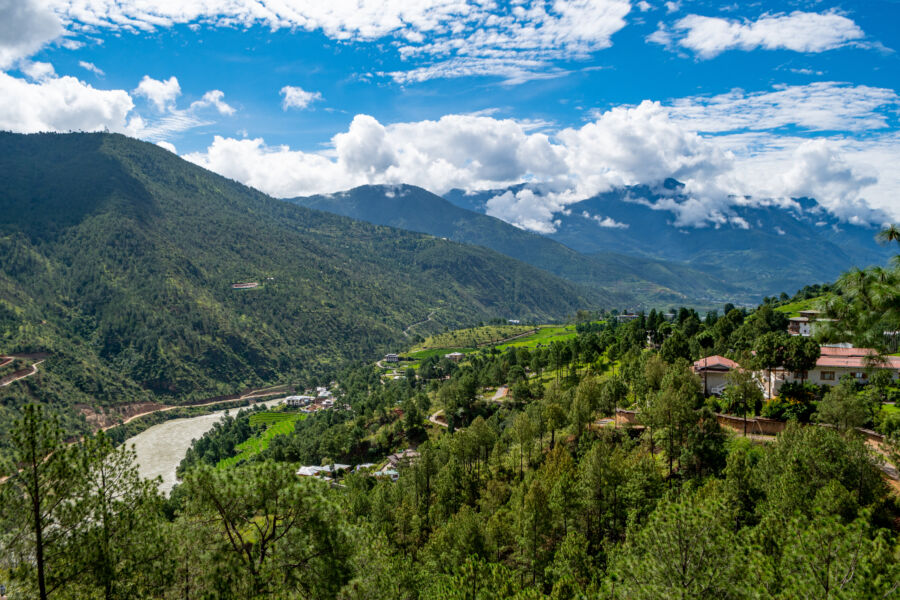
<point x="161" y="447"/>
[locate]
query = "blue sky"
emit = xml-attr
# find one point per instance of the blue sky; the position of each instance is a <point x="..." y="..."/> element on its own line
<point x="771" y="100"/>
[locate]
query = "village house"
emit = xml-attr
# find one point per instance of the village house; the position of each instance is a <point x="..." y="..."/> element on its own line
<point x="391" y="358"/>
<point x="713" y="370"/>
<point x="834" y="363"/>
<point x="805" y="325"/>
<point x="454" y="356"/>
<point x="298" y="401"/>
<point x="402" y="458"/>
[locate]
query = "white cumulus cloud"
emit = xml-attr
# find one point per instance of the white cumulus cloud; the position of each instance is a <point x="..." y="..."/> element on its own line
<point x="162" y="93"/>
<point x="798" y="31"/>
<point x="26" y="26"/>
<point x="444" y="38"/>
<point x="89" y="66"/>
<point x="297" y="97"/>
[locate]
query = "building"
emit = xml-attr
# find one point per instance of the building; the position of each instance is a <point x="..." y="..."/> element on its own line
<point x="626" y="317"/>
<point x="321" y="472"/>
<point x="805" y="324"/>
<point x="402" y="458"/>
<point x="514" y="321"/>
<point x="298" y="401"/>
<point x="391" y="358"/>
<point x="454" y="356"/>
<point x="713" y="370"/>
<point x="836" y="362"/>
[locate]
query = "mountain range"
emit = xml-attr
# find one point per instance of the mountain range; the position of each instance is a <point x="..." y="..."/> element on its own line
<point x="763" y="250"/>
<point x="631" y="280"/>
<point x="120" y="260"/>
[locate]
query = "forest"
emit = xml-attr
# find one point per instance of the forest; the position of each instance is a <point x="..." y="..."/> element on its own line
<point x="535" y="497"/>
<point x="119" y="260"/>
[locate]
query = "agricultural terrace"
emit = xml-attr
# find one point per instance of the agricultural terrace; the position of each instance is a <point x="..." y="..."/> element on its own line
<point x="268" y="425"/>
<point x="793" y="309"/>
<point x="501" y="337"/>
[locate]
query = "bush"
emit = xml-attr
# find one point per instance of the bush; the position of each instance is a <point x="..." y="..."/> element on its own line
<point x="887" y="422"/>
<point x="785" y="409"/>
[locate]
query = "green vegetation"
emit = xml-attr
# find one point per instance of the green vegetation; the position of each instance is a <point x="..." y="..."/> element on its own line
<point x="792" y="309"/>
<point x="620" y="279"/>
<point x="472" y="337"/>
<point x="270" y="424"/>
<point x="118" y="260"/>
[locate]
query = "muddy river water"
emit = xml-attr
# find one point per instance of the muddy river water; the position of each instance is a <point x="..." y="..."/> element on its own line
<point x="161" y="447"/>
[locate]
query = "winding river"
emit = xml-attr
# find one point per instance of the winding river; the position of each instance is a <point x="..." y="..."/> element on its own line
<point x="161" y="447"/>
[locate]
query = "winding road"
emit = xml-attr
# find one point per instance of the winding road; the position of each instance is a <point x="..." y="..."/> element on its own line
<point x="11" y="378"/>
<point x="430" y="316"/>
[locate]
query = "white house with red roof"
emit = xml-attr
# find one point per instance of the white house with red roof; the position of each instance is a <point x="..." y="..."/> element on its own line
<point x="834" y="363"/>
<point x="713" y="370"/>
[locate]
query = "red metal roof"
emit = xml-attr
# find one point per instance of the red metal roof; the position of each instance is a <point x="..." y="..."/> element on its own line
<point x="715" y="362"/>
<point x="857" y="362"/>
<point x="832" y="351"/>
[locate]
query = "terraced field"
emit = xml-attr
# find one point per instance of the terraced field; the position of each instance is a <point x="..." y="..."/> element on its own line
<point x="275" y="423"/>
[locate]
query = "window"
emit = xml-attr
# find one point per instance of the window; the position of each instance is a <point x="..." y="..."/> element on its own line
<point x="827" y="376"/>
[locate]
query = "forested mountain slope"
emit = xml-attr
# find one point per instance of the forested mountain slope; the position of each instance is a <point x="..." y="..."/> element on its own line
<point x="119" y="259"/>
<point x="648" y="280"/>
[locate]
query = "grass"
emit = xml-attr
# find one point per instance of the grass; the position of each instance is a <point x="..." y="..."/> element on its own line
<point x="890" y="408"/>
<point x="793" y="309"/>
<point x="275" y="423"/>
<point x="471" y="337"/>
<point x="544" y="336"/>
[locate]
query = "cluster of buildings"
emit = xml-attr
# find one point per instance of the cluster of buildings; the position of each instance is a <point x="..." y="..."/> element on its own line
<point x="315" y="400"/>
<point x="389" y="471"/>
<point x="834" y="363"/>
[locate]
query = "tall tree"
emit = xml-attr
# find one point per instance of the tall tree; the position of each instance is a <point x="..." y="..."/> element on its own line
<point x="43" y="477"/>
<point x="742" y="393"/>
<point x="273" y="532"/>
<point x="119" y="533"/>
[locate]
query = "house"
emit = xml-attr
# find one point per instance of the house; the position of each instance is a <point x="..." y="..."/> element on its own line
<point x="805" y="324"/>
<point x="321" y="472"/>
<point x="391" y="358"/>
<point x="402" y="458"/>
<point x="310" y="471"/>
<point x="514" y="321"/>
<point x="245" y="286"/>
<point x="834" y="363"/>
<point x="454" y="356"/>
<point x="713" y="370"/>
<point x="626" y="317"/>
<point x="386" y="473"/>
<point x="298" y="401"/>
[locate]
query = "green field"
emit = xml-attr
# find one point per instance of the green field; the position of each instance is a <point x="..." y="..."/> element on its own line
<point x="276" y="423"/>
<point x="545" y="335"/>
<point x="471" y="337"/>
<point x="793" y="309"/>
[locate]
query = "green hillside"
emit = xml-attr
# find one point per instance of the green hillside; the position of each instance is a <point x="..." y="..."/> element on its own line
<point x="119" y="260"/>
<point x="630" y="279"/>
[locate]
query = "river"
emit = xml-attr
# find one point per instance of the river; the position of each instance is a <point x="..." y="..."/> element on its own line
<point x="161" y="447"/>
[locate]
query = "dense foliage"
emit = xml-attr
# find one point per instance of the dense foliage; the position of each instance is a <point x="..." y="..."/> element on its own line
<point x="119" y="257"/>
<point x="622" y="279"/>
